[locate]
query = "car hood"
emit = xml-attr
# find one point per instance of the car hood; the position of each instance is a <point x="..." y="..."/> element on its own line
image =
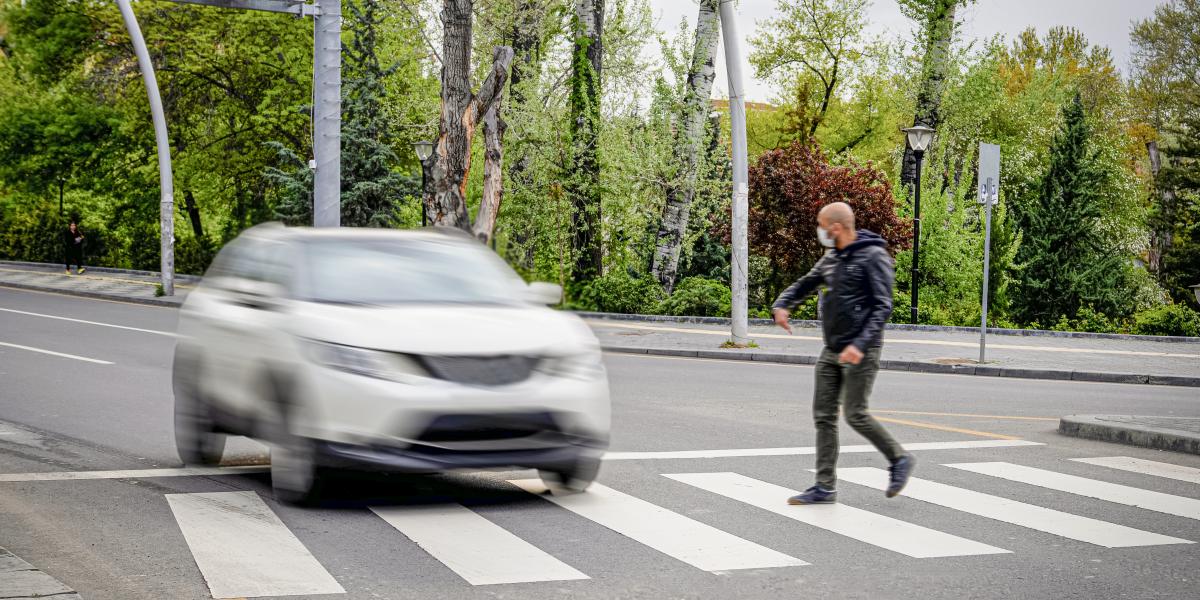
<point x="448" y="330"/>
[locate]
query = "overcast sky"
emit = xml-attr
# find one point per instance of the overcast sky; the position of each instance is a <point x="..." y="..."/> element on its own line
<point x="1103" y="22"/>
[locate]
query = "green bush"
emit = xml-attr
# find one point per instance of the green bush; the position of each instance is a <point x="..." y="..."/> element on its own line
<point x="1170" y="319"/>
<point x="193" y="256"/>
<point x="620" y="293"/>
<point x="698" y="297"/>
<point x="1089" y="320"/>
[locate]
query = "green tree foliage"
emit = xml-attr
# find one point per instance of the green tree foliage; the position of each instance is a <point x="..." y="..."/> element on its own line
<point x="1064" y="262"/>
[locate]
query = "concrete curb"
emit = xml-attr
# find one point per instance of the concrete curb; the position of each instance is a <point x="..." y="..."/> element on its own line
<point x="899" y="327"/>
<point x="920" y="367"/>
<point x="1095" y="427"/>
<point x="96" y="295"/>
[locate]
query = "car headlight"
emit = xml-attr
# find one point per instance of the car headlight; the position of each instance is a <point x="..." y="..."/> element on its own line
<point x="584" y="365"/>
<point x="363" y="361"/>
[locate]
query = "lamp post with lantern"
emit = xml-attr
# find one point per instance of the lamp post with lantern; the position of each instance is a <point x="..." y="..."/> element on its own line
<point x="424" y="150"/>
<point x="919" y="137"/>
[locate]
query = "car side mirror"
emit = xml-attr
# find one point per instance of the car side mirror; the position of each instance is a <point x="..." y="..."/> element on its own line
<point x="543" y="292"/>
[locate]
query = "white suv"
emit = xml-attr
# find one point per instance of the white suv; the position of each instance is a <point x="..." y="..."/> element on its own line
<point x="413" y="351"/>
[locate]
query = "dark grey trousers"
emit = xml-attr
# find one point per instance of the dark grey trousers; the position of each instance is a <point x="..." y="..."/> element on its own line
<point x="848" y="386"/>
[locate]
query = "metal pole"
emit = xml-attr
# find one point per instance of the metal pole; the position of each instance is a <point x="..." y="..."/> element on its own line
<point x="916" y="262"/>
<point x="166" y="207"/>
<point x="987" y="254"/>
<point x="741" y="189"/>
<point x="61" y="181"/>
<point x="327" y="114"/>
<point x="424" y="182"/>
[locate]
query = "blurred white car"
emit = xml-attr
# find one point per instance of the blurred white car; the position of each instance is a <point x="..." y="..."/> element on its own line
<point x="409" y="351"/>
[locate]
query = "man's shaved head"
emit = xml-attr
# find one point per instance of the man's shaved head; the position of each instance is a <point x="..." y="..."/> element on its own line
<point x="838" y="212"/>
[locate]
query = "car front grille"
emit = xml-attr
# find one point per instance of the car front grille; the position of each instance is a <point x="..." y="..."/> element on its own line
<point x="480" y="370"/>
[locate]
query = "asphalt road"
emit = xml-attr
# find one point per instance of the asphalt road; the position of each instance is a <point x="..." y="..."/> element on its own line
<point x="121" y="538"/>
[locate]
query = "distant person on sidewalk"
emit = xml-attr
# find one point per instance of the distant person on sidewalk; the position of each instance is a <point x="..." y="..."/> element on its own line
<point x="857" y="273"/>
<point x="73" y="238"/>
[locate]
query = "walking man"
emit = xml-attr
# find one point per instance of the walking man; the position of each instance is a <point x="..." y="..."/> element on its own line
<point x="73" y="240"/>
<point x="857" y="272"/>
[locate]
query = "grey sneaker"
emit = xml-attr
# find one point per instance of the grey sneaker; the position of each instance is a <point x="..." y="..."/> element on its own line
<point x="814" y="495"/>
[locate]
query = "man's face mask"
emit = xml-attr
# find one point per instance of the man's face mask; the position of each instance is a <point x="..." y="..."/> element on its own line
<point x="824" y="237"/>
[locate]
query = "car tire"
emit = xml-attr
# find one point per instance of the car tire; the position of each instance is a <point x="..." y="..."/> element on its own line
<point x="196" y="437"/>
<point x="296" y="475"/>
<point x="574" y="480"/>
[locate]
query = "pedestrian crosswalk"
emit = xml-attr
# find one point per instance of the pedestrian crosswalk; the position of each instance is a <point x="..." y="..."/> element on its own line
<point x="243" y="549"/>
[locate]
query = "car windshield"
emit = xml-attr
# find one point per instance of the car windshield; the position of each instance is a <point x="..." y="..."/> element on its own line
<point x="347" y="271"/>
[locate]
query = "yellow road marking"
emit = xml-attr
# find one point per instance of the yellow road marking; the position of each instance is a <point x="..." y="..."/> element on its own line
<point x="996" y="436"/>
<point x="945" y="414"/>
<point x="892" y="340"/>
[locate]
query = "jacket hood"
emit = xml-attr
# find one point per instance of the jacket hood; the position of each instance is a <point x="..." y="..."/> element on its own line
<point x="865" y="239"/>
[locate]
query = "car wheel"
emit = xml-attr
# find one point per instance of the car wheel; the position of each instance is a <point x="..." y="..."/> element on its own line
<point x="196" y="437"/>
<point x="296" y="476"/>
<point x="573" y="480"/>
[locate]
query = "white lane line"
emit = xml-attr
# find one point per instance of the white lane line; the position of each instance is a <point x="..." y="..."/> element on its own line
<point x="1075" y="527"/>
<point x="865" y="526"/>
<point x="894" y="340"/>
<point x="86" y="322"/>
<point x="477" y="549"/>
<point x="244" y="550"/>
<point x="131" y="474"/>
<point x="53" y="353"/>
<point x="1145" y="467"/>
<point x="807" y="450"/>
<point x="695" y="543"/>
<point x="1120" y="494"/>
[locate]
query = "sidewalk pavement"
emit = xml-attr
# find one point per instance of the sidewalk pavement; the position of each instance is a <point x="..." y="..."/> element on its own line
<point x="96" y="282"/>
<point x="20" y="580"/>
<point x="1118" y="359"/>
<point x="1177" y="434"/>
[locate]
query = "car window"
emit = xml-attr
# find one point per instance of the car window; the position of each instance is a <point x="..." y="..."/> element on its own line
<point x="406" y="271"/>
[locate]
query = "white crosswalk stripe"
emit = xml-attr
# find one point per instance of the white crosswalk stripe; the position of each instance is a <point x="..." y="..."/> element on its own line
<point x="1145" y="467"/>
<point x="1073" y="484"/>
<point x="243" y="549"/>
<point x="695" y="543"/>
<point x="864" y="526"/>
<point x="1075" y="527"/>
<point x="480" y="551"/>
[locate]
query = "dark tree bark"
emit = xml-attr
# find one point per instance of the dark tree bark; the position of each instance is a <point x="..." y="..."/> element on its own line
<point x="689" y="142"/>
<point x="583" y="181"/>
<point x="527" y="46"/>
<point x="1162" y="222"/>
<point x="193" y="211"/>
<point x="461" y="110"/>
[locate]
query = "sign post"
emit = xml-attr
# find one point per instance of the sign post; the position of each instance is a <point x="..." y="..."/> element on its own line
<point x="989" y="195"/>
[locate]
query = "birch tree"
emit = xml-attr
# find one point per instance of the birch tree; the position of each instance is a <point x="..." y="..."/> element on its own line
<point x="688" y="144"/>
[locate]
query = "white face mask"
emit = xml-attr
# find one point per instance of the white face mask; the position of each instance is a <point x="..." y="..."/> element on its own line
<point x="825" y="239"/>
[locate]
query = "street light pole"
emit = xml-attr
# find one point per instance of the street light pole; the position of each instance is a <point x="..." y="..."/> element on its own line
<point x="423" y="150"/>
<point x="61" y="181"/>
<point x="919" y="137"/>
<point x="741" y="190"/>
<point x="916" y="261"/>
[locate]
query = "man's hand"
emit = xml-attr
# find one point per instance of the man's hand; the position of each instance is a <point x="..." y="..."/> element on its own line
<point x="781" y="319"/>
<point x="851" y="355"/>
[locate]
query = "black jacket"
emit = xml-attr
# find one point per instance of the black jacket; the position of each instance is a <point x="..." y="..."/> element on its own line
<point x="69" y="237"/>
<point x="859" y="299"/>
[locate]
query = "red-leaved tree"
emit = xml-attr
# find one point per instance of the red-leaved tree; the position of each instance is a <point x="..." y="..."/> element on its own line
<point x="789" y="185"/>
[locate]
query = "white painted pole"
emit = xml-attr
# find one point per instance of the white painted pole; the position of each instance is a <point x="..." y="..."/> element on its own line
<point x="737" y="125"/>
<point x="327" y="114"/>
<point x="987" y="255"/>
<point x="166" y="209"/>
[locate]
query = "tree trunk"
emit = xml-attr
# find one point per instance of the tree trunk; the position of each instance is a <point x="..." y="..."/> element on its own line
<point x="939" y="34"/>
<point x="526" y="36"/>
<point x="193" y="211"/>
<point x="688" y="144"/>
<point x="583" y="180"/>
<point x="493" y="173"/>
<point x="1162" y="221"/>
<point x="460" y="114"/>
